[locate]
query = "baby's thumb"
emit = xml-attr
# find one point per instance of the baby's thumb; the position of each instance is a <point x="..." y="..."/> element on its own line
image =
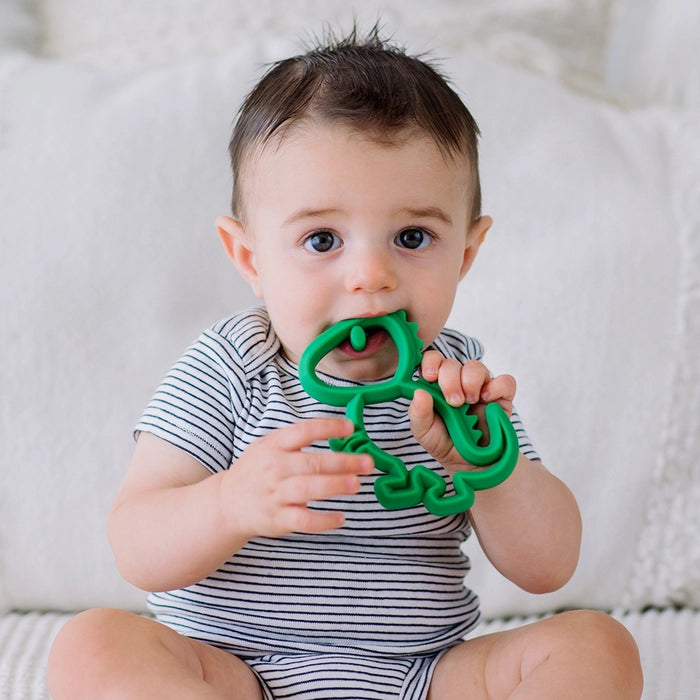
<point x="420" y="415"/>
<point x="428" y="428"/>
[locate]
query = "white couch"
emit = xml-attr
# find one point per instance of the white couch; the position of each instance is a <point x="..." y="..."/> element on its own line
<point x="114" y="121"/>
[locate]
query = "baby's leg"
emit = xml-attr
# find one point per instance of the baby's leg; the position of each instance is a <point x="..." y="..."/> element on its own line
<point x="581" y="655"/>
<point x="115" y="654"/>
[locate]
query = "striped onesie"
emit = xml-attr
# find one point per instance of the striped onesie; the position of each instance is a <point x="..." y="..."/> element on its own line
<point x="365" y="611"/>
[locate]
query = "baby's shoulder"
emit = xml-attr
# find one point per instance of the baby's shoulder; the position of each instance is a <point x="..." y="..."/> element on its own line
<point x="238" y="345"/>
<point x="248" y="334"/>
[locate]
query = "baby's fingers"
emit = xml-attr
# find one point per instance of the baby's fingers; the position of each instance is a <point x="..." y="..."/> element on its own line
<point x="500" y="389"/>
<point x="319" y="476"/>
<point x="428" y="427"/>
<point x="474" y="377"/>
<point x="302" y="434"/>
<point x="447" y="372"/>
<point x="311" y="521"/>
<point x="421" y="415"/>
<point x="430" y="364"/>
<point x="299" y="490"/>
<point x="325" y="462"/>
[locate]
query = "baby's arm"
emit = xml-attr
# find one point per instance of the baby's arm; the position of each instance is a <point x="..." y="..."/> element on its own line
<point x="529" y="526"/>
<point x="174" y="522"/>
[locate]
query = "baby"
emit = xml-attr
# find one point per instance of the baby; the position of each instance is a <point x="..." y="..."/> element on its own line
<point x="274" y="572"/>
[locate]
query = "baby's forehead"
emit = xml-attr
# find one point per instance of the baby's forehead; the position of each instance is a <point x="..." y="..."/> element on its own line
<point x="321" y="145"/>
<point x="310" y="129"/>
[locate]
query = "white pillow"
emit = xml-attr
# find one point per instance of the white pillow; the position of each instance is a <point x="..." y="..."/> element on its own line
<point x="586" y="291"/>
<point x="110" y="267"/>
<point x="653" y="56"/>
<point x="133" y="33"/>
<point x="109" y="186"/>
<point x="552" y="37"/>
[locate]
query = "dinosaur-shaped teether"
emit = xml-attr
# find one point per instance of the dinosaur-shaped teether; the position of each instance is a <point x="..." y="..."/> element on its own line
<point x="400" y="487"/>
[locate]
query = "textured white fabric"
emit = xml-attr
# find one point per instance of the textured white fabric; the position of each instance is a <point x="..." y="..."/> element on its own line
<point x="668" y="642"/>
<point x="25" y="641"/>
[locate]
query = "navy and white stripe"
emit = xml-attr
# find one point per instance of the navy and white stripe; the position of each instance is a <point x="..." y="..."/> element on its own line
<point x="342" y="677"/>
<point x="389" y="584"/>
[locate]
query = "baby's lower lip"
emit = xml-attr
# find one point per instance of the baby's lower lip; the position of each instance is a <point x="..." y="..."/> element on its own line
<point x="375" y="340"/>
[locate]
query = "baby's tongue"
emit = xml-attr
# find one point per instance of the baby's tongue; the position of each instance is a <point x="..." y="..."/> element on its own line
<point x="363" y="343"/>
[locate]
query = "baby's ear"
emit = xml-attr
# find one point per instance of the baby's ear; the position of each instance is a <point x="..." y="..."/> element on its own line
<point x="239" y="249"/>
<point x="475" y="237"/>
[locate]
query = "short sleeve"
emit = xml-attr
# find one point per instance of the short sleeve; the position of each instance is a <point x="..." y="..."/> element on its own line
<point x="194" y="406"/>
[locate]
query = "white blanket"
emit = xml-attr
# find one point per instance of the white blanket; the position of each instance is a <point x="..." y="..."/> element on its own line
<point x="668" y="642"/>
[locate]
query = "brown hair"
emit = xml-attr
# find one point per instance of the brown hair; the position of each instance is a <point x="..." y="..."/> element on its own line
<point x="365" y="83"/>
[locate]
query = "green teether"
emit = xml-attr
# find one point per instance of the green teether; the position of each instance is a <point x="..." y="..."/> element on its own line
<point x="358" y="338"/>
<point x="400" y="487"/>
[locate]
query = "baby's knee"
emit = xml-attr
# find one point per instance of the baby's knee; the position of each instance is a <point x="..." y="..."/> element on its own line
<point x="599" y="630"/>
<point x="610" y="643"/>
<point x="77" y="650"/>
<point x="84" y="633"/>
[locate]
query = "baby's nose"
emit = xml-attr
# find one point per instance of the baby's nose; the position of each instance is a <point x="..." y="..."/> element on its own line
<point x="371" y="272"/>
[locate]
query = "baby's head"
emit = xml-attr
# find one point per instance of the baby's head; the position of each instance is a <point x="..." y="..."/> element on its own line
<point x="366" y="84"/>
<point x="356" y="194"/>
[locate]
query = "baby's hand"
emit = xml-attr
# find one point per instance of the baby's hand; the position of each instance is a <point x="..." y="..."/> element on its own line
<point x="470" y="383"/>
<point x="266" y="491"/>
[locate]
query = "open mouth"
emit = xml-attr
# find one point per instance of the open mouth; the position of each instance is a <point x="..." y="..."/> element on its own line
<point x="363" y="342"/>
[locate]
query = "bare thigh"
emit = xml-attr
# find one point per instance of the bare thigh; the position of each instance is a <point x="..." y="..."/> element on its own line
<point x="577" y="655"/>
<point x="115" y="654"/>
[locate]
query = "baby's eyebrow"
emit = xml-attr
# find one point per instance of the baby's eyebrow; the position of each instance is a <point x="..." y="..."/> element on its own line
<point x="428" y="213"/>
<point x="309" y="213"/>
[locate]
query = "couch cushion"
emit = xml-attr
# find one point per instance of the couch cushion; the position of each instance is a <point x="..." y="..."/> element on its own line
<point x="109" y="186"/>
<point x="586" y="290"/>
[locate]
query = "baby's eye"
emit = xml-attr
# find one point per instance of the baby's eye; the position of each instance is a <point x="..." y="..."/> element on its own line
<point x="322" y="242"/>
<point x="413" y="238"/>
